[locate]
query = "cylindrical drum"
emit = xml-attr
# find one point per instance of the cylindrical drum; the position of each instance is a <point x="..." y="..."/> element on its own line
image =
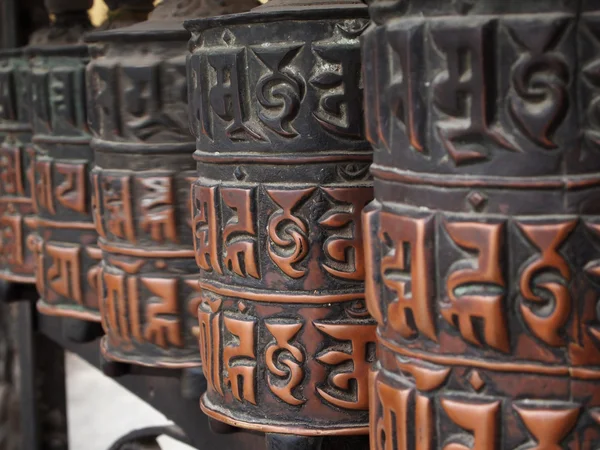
<point x="484" y="240"/>
<point x="276" y="106"/>
<point x="17" y="220"/>
<point x="144" y="168"/>
<point x="67" y="257"/>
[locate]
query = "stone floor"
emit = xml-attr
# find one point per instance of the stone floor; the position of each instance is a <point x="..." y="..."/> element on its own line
<point x="101" y="411"/>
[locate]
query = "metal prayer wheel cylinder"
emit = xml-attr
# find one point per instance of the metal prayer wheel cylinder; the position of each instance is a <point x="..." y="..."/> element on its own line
<point x="67" y="257"/>
<point x="144" y="168"/>
<point x="276" y="107"/>
<point x="484" y="239"/>
<point x="17" y="220"/>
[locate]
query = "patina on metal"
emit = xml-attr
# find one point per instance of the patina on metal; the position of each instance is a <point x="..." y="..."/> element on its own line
<point x="484" y="239"/>
<point x="67" y="257"/>
<point x="144" y="168"/>
<point x="17" y="220"/>
<point x="276" y="106"/>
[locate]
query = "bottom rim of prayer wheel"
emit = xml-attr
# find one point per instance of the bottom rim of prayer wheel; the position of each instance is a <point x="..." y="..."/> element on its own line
<point x="15" y="278"/>
<point x="110" y="354"/>
<point x="279" y="428"/>
<point x="67" y="311"/>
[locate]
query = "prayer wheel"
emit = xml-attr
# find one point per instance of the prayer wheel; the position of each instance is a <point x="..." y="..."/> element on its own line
<point x="67" y="257"/>
<point x="276" y="107"/>
<point x="144" y="167"/>
<point x="483" y="243"/>
<point x="17" y="220"/>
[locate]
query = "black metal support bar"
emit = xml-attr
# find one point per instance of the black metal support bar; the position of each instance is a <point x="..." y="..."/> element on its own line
<point x="42" y="385"/>
<point x="160" y="388"/>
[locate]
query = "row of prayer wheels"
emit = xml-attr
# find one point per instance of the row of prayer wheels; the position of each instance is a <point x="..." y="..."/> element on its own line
<point x="358" y="220"/>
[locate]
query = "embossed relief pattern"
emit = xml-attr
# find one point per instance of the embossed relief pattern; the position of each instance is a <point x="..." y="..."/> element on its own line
<point x="141" y="98"/>
<point x="285" y="338"/>
<point x="17" y="220"/>
<point x="151" y="294"/>
<point x="481" y="264"/>
<point x="67" y="257"/>
<point x="249" y="98"/>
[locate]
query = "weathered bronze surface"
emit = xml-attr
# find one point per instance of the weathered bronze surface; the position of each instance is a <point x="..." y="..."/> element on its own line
<point x="67" y="257"/>
<point x="17" y="220"/>
<point x="484" y="241"/>
<point x="285" y="338"/>
<point x="144" y="168"/>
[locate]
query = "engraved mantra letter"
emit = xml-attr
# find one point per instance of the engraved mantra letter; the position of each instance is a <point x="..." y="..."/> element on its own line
<point x="240" y="359"/>
<point x="485" y="240"/>
<point x="277" y="355"/>
<point x="468" y="54"/>
<point x="209" y="318"/>
<point x="548" y="426"/>
<point x="279" y="92"/>
<point x="10" y="171"/>
<point x="43" y="186"/>
<point x="395" y="404"/>
<point x="206" y="243"/>
<point x="540" y="77"/>
<point x="405" y="40"/>
<point x="548" y="239"/>
<point x="165" y="291"/>
<point x="408" y="261"/>
<point x="480" y="419"/>
<point x="340" y="110"/>
<point x="360" y="337"/>
<point x="288" y="233"/>
<point x="239" y="234"/>
<point x="11" y="238"/>
<point x="158" y="210"/>
<point x="117" y="201"/>
<point x="64" y="275"/>
<point x="342" y="249"/>
<point x="72" y="192"/>
<point x="227" y="96"/>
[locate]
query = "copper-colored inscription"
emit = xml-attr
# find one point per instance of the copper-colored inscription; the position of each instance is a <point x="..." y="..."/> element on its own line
<point x="72" y="192"/>
<point x="346" y="253"/>
<point x="160" y="329"/>
<point x="240" y="359"/>
<point x="117" y="197"/>
<point x="239" y="234"/>
<point x="11" y="238"/>
<point x="360" y="338"/>
<point x="94" y="274"/>
<point x="282" y="381"/>
<point x="96" y="210"/>
<point x="480" y="419"/>
<point x="478" y="285"/>
<point x="392" y="427"/>
<point x="36" y="245"/>
<point x="462" y="123"/>
<point x="288" y="233"/>
<point x="209" y="319"/>
<point x="11" y="175"/>
<point x="408" y="261"/>
<point x="548" y="427"/>
<point x="64" y="275"/>
<point x="206" y="228"/>
<point x="158" y="209"/>
<point x="388" y="432"/>
<point x="43" y="186"/>
<point x="548" y="239"/>
<point x="113" y="310"/>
